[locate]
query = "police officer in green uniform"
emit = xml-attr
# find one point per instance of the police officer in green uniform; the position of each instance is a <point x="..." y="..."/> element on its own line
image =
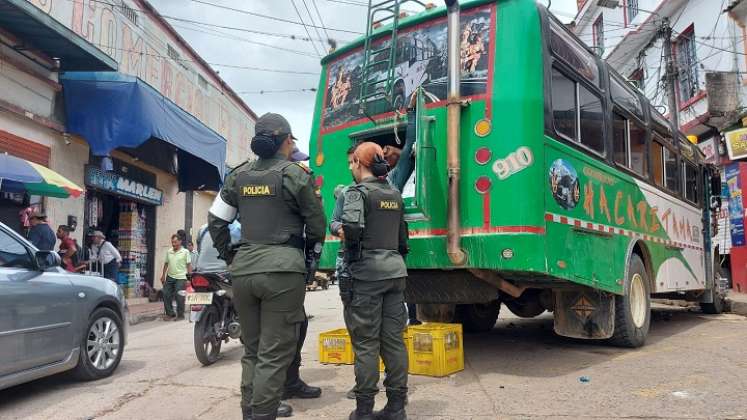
<point x="276" y="204"/>
<point x="374" y="237"/>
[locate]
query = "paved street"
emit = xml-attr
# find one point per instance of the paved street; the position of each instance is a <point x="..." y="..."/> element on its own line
<point x="693" y="368"/>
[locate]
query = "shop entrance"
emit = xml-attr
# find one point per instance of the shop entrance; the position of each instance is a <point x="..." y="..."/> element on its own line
<point x="124" y="209"/>
<point x="130" y="227"/>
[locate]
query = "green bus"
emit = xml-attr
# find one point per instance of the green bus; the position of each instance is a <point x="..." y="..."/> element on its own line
<point x="542" y="179"/>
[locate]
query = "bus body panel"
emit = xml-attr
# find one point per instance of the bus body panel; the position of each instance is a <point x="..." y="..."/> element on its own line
<point x="536" y="208"/>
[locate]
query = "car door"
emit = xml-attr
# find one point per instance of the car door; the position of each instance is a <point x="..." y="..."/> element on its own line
<point x="36" y="308"/>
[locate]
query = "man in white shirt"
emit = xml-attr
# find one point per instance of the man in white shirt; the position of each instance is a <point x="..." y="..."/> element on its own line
<point x="104" y="252"/>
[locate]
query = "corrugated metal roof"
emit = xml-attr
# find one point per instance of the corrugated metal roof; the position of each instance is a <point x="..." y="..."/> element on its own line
<point x="36" y="30"/>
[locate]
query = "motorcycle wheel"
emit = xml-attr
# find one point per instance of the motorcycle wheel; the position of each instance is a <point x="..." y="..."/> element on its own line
<point x="207" y="344"/>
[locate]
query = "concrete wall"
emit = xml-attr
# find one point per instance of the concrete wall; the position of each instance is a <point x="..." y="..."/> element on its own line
<point x="144" y="46"/>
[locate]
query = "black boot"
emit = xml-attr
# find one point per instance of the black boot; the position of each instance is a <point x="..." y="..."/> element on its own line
<point x="301" y="390"/>
<point x="284" y="410"/>
<point x="394" y="408"/>
<point x="363" y="409"/>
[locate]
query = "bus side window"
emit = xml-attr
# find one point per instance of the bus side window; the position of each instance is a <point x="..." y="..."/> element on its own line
<point x="564" y="104"/>
<point x="657" y="161"/>
<point x="690" y="177"/>
<point x="637" y="148"/>
<point x="620" y="139"/>
<point x="671" y="171"/>
<point x="591" y="119"/>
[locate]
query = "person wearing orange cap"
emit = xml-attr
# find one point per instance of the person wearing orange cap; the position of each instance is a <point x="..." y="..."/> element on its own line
<point x="374" y="236"/>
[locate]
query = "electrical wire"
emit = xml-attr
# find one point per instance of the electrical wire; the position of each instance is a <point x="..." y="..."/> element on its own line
<point x="321" y="21"/>
<point x="262" y="92"/>
<point x="246" y="12"/>
<point x="225" y="35"/>
<point x="305" y="27"/>
<point x="208" y="24"/>
<point x="313" y="23"/>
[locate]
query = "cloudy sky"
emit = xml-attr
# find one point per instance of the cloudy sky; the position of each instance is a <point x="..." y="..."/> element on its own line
<point x="272" y="48"/>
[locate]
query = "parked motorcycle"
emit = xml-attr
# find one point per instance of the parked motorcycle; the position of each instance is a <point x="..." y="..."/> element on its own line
<point x="216" y="318"/>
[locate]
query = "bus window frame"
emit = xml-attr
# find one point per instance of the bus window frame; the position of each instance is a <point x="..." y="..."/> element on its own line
<point x="698" y="179"/>
<point x="630" y="118"/>
<point x="658" y="137"/>
<point x="578" y="81"/>
<point x="649" y="121"/>
<point x="601" y="91"/>
<point x="615" y="78"/>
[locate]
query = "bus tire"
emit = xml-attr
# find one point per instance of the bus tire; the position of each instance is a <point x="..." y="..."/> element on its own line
<point x="478" y="317"/>
<point x="633" y="308"/>
<point x="717" y="306"/>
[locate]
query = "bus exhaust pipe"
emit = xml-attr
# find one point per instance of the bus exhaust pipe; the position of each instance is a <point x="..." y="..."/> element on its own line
<point x="456" y="254"/>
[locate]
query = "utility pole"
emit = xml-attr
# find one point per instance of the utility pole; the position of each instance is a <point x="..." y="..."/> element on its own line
<point x="671" y="75"/>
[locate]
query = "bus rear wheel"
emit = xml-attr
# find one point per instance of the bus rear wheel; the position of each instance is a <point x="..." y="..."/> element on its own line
<point x="633" y="308"/>
<point x="717" y="306"/>
<point x="478" y="317"/>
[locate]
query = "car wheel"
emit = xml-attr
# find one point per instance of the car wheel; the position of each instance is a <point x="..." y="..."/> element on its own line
<point x="101" y="346"/>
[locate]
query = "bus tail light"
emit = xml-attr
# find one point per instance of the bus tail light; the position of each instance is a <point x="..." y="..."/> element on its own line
<point x="483" y="184"/>
<point x="483" y="155"/>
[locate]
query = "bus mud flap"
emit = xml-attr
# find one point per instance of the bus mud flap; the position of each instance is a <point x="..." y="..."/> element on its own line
<point x="587" y="313"/>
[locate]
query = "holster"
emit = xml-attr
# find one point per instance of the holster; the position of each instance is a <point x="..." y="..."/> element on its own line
<point x="345" y="284"/>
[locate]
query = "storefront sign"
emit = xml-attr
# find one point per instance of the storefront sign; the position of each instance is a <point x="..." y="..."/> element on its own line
<point x="736" y="209"/>
<point x="117" y="184"/>
<point x="736" y="143"/>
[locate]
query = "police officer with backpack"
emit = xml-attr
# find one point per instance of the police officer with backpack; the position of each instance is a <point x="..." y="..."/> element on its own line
<point x="374" y="237"/>
<point x="278" y="208"/>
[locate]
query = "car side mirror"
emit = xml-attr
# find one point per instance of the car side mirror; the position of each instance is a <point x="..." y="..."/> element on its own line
<point x="47" y="259"/>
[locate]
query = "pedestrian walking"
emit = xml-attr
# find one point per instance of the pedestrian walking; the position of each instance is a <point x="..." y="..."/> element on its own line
<point x="193" y="254"/>
<point x="68" y="248"/>
<point x="275" y="197"/>
<point x="41" y="234"/>
<point x="374" y="237"/>
<point x="176" y="268"/>
<point x="105" y="253"/>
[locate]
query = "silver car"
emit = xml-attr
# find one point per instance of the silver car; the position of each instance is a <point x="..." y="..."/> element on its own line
<point x="52" y="320"/>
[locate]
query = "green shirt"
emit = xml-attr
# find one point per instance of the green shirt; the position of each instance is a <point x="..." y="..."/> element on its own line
<point x="177" y="263"/>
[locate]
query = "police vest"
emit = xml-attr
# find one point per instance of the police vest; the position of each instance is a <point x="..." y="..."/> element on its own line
<point x="383" y="215"/>
<point x="265" y="216"/>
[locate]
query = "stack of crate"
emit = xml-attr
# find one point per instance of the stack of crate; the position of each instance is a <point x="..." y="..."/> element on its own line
<point x="433" y="349"/>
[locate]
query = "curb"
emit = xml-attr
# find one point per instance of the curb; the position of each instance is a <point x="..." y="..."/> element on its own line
<point x="144" y="317"/>
<point x="735" y="307"/>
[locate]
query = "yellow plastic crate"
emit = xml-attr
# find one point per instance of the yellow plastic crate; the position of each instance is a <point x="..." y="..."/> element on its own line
<point x="335" y="347"/>
<point x="406" y="336"/>
<point x="436" y="349"/>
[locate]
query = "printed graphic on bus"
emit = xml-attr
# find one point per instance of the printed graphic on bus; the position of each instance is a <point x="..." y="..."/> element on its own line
<point x="420" y="60"/>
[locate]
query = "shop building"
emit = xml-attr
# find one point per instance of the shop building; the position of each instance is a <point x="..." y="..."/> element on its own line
<point x="142" y="122"/>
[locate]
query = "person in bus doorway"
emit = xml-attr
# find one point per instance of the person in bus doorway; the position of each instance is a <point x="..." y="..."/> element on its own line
<point x="279" y="208"/>
<point x="176" y="269"/>
<point x="374" y="237"/>
<point x="105" y="253"/>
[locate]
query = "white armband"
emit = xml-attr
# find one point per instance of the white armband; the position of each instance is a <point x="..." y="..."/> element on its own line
<point x="223" y="210"/>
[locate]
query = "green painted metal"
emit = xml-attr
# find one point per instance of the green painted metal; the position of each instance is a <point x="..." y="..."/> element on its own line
<point x="515" y="227"/>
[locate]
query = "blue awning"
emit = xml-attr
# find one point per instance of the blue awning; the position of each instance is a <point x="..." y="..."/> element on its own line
<point x="111" y="110"/>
